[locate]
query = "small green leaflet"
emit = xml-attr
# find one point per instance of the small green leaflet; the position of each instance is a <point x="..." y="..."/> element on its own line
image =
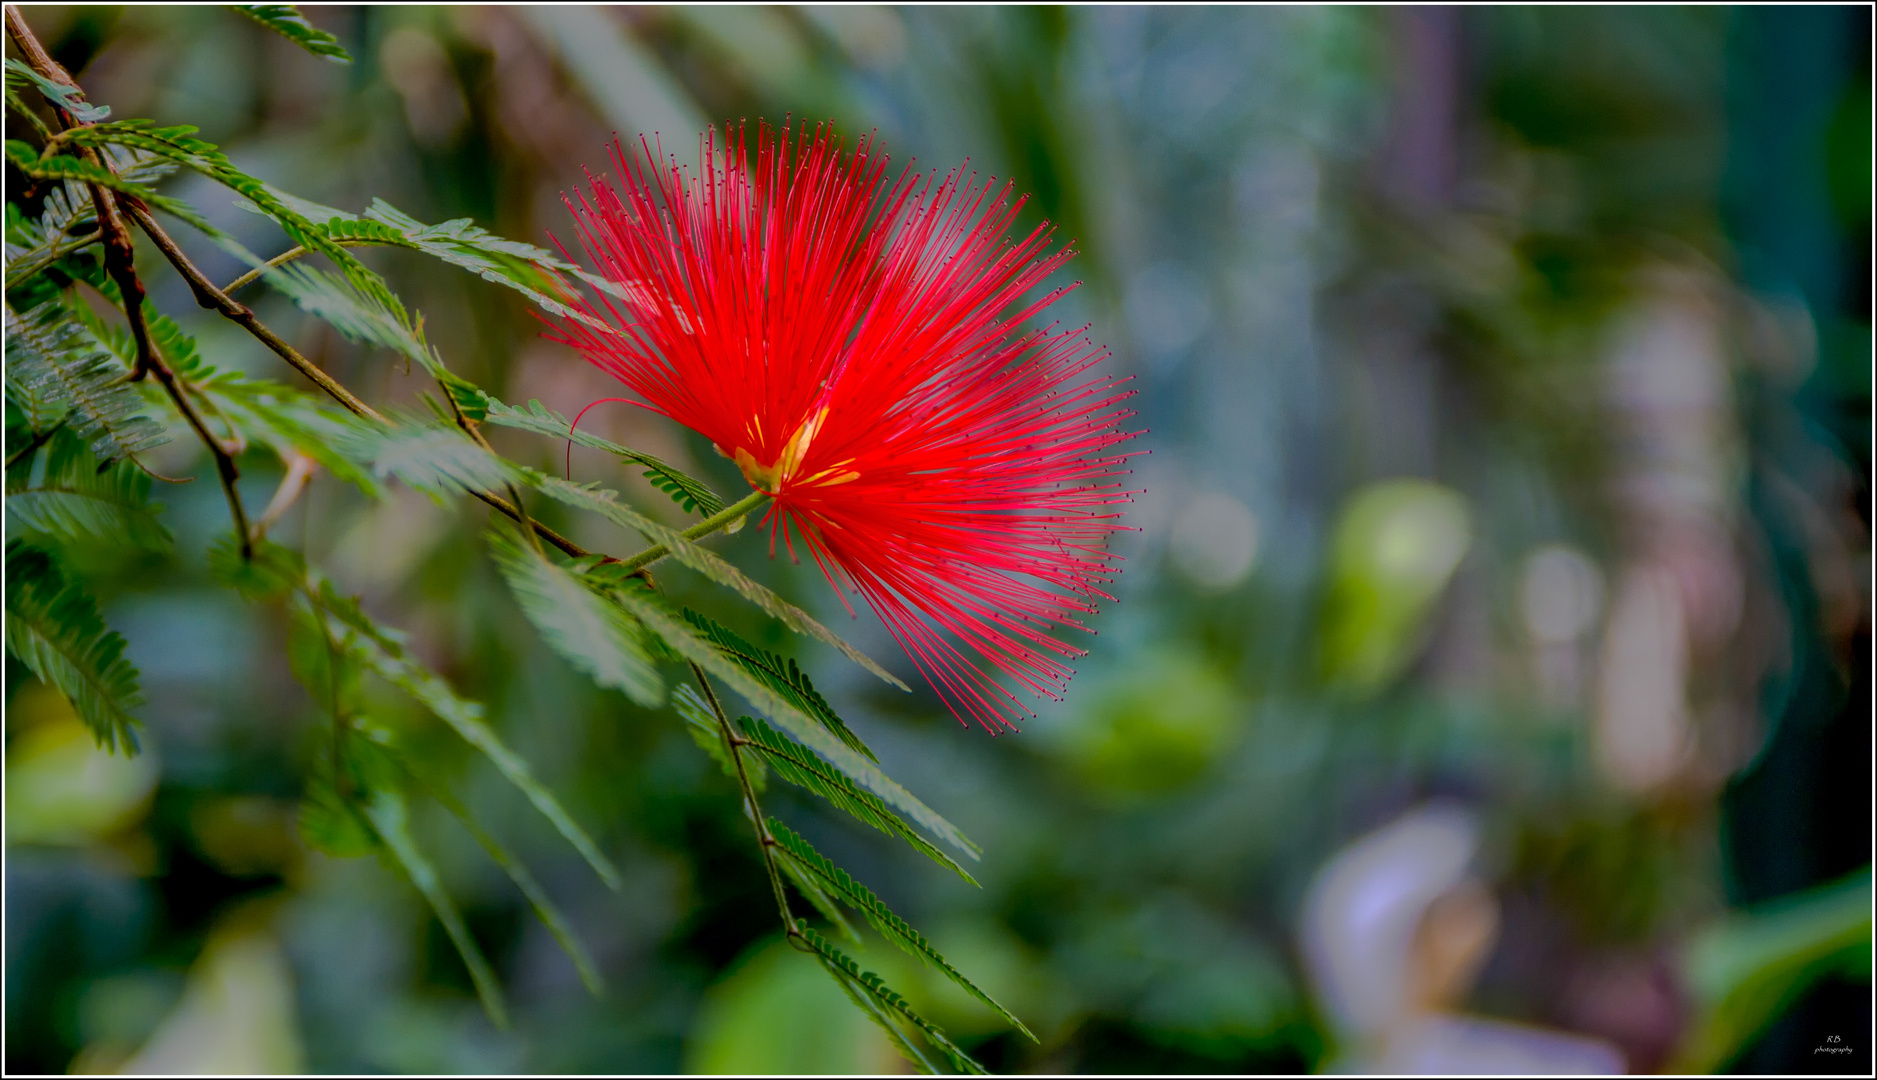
<point x="891" y="926"/>
<point x="53" y="627"/>
<point x="180" y="145"/>
<point x="69" y="98"/>
<point x="888" y="1000"/>
<point x="701" y="559"/>
<point x="782" y="676"/>
<point x="588" y="631"/>
<point x="434" y="458"/>
<point x="286" y="20"/>
<point x="56" y="366"/>
<point x="77" y="500"/>
<point x="358" y="314"/>
<point x="695" y="648"/>
<point x="793" y="762"/>
<point x="67" y="218"/>
<point x="692" y="494"/>
<point x="62" y="167"/>
<point x="525" y="268"/>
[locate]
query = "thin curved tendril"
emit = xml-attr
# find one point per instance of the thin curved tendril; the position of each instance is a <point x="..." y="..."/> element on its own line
<point x="571" y="427"/>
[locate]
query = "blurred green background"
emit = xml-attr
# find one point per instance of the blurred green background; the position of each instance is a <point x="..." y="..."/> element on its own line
<point x="1507" y="375"/>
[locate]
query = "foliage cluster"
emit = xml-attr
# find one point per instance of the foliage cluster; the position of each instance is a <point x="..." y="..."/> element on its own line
<point x="96" y="376"/>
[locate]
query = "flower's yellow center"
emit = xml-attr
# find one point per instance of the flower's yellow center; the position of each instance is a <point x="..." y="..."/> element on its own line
<point x="771" y="478"/>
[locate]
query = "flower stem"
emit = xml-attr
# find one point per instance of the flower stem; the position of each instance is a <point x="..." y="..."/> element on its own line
<point x="722" y="518"/>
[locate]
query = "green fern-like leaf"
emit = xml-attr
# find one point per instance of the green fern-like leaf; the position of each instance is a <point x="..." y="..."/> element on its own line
<point x="54" y="365"/>
<point x="782" y="676"/>
<point x="702" y="724"/>
<point x="382" y="652"/>
<point x="286" y="20"/>
<point x="275" y="572"/>
<point x="180" y="145"/>
<point x="61" y="167"/>
<point x="53" y="627"/>
<point x="793" y="762"/>
<point x="368" y="755"/>
<point x="69" y="98"/>
<point x="688" y="492"/>
<point x="431" y="457"/>
<point x="544" y="907"/>
<point x="891" y="926"/>
<point x="527" y="269"/>
<point x="372" y="317"/>
<point x="284" y="420"/>
<point x="701" y="559"/>
<point x="68" y="217"/>
<point x="79" y="170"/>
<point x="591" y="633"/>
<point x="76" y="500"/>
<point x="389" y="818"/>
<point x="697" y="649"/>
<point x="808" y="886"/>
<point x="32" y="244"/>
<point x="888" y="1000"/>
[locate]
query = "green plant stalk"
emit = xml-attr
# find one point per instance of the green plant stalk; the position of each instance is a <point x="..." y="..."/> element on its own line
<point x="764" y="842"/>
<point x="282" y="259"/>
<point x="719" y="520"/>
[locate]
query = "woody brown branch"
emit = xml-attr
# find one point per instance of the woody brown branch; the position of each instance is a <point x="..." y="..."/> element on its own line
<point x="209" y="296"/>
<point x="120" y="263"/>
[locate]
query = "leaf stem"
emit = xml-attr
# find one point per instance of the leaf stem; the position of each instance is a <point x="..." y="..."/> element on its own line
<point x="51" y="255"/>
<point x="282" y="259"/>
<point x="764" y="842"/>
<point x="40" y="439"/>
<point x="299" y="470"/>
<point x="719" y="520"/>
<point x="120" y="261"/>
<point x="208" y="296"/>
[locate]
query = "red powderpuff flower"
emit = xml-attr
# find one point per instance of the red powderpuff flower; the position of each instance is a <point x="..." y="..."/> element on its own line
<point x="857" y="346"/>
